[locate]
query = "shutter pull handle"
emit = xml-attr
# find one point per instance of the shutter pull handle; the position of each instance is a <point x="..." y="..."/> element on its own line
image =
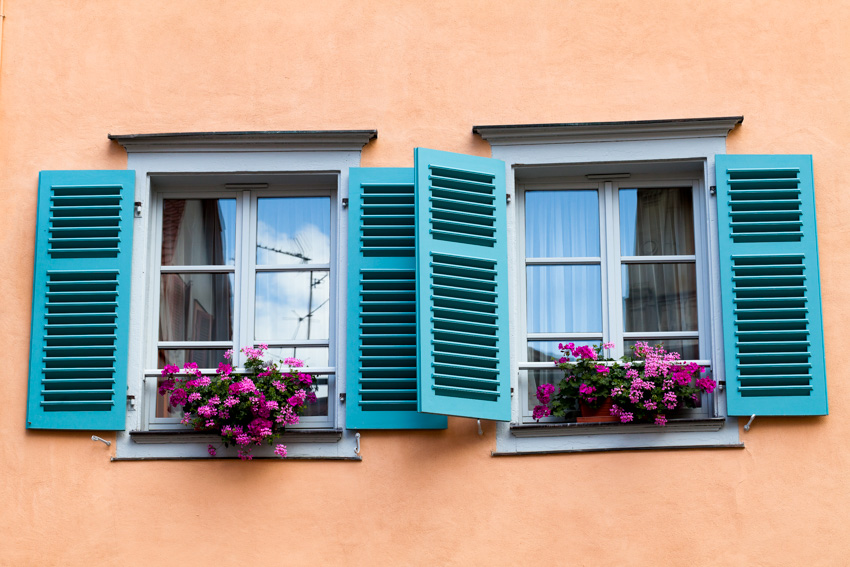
<point x="101" y="439"/>
<point x="747" y="427"/>
<point x="480" y="431"/>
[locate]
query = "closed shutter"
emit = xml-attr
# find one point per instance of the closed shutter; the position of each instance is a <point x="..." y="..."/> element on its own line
<point x="81" y="296"/>
<point x="770" y="284"/>
<point x="462" y="290"/>
<point x="381" y="355"/>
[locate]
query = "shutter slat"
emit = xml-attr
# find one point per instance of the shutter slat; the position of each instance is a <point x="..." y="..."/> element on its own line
<point x="80" y="323"/>
<point x="773" y="335"/>
<point x="382" y="357"/>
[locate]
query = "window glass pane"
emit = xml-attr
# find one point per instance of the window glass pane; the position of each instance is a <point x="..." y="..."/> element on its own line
<point x="561" y="224"/>
<point x="203" y="357"/>
<point x="564" y="299"/>
<point x="196" y="307"/>
<point x="656" y="222"/>
<point x="198" y="232"/>
<point x="294" y="230"/>
<point x="545" y="351"/>
<point x="292" y="305"/>
<point x="539" y="377"/>
<point x="660" y="297"/>
<point x="312" y="356"/>
<point x="688" y="348"/>
<point x="320" y="406"/>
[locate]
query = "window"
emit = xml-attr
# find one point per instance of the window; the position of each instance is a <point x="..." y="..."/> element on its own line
<point x="616" y="260"/>
<point x="249" y="264"/>
<point x="615" y="239"/>
<point x="238" y="240"/>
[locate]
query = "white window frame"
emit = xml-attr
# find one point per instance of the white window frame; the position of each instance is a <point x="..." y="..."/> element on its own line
<point x="232" y="154"/>
<point x="602" y="144"/>
<point x="244" y="270"/>
<point x="610" y="262"/>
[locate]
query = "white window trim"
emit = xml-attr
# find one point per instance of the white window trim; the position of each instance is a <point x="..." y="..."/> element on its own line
<point x="332" y="152"/>
<point x="612" y="315"/>
<point x="695" y="140"/>
<point x="246" y="208"/>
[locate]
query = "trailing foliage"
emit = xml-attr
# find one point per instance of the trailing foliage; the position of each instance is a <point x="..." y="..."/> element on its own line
<point x="245" y="409"/>
<point x="644" y="386"/>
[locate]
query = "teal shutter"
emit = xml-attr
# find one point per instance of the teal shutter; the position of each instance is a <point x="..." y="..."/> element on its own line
<point x="381" y="354"/>
<point x="81" y="300"/>
<point x="462" y="295"/>
<point x="770" y="284"/>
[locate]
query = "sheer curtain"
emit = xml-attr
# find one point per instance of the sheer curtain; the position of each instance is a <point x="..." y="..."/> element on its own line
<point x="565" y="297"/>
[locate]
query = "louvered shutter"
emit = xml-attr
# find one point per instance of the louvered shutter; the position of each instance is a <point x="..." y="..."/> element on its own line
<point x="772" y="324"/>
<point x="462" y="293"/>
<point x="381" y="355"/>
<point x="81" y="296"/>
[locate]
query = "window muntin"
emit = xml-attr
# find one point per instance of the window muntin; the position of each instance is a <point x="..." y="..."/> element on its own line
<point x="261" y="260"/>
<point x="649" y="283"/>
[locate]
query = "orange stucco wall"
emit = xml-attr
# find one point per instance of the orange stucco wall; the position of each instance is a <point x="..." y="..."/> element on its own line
<point x="422" y="74"/>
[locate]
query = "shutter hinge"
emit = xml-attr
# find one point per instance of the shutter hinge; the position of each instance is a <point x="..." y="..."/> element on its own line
<point x="342" y="397"/>
<point x="131" y="401"/>
<point x="137" y="209"/>
<point x="345" y="202"/>
<point x="713" y="189"/>
<point x="507" y="197"/>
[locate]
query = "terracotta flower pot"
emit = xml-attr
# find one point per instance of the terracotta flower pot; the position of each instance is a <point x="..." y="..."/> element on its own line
<point x="601" y="415"/>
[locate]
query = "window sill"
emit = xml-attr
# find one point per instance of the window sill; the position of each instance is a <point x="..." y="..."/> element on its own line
<point x="547" y="438"/>
<point x="565" y="429"/>
<point x="183" y="444"/>
<point x="183" y="436"/>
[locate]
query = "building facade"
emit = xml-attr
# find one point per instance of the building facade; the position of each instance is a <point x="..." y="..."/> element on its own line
<point x="421" y="202"/>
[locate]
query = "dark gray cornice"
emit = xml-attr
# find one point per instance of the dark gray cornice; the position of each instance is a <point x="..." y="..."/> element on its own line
<point x="268" y="141"/>
<point x="518" y="134"/>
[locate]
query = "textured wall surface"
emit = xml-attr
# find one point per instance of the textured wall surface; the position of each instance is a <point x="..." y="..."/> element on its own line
<point x="422" y="74"/>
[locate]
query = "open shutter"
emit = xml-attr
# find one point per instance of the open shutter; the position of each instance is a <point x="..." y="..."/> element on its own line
<point x="772" y="324"/>
<point x="462" y="294"/>
<point x="381" y="356"/>
<point x="81" y="296"/>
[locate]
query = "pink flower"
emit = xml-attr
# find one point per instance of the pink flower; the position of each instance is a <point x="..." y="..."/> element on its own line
<point x="607" y="345"/>
<point x="298" y="398"/>
<point x="585" y="389"/>
<point x="211" y="450"/>
<point x="602" y="369"/>
<point x="166" y="386"/>
<point x="294" y="362"/>
<point x="224" y="369"/>
<point x="541" y="412"/>
<point x="544" y="393"/>
<point x="170" y="369"/>
<point x="178" y="397"/>
<point x="311" y="398"/>
<point x="660" y="419"/>
<point x="706" y="384"/>
<point x="280" y="450"/>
